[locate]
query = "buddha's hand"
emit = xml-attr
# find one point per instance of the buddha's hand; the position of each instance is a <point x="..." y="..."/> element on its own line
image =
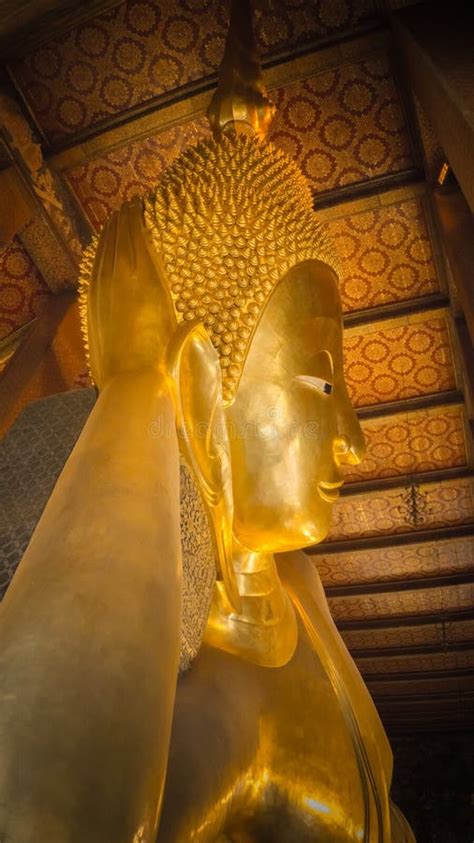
<point x="129" y="315"/>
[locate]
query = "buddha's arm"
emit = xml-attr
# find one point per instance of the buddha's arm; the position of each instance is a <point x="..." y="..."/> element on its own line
<point x="90" y="631"/>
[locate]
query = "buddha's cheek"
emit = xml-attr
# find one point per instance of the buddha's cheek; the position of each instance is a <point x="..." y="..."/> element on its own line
<point x="277" y="526"/>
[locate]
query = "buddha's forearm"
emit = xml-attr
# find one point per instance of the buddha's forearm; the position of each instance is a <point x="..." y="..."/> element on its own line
<point x="90" y="634"/>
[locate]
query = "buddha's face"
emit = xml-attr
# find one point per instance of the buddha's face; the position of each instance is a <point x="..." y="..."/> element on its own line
<point x="291" y="426"/>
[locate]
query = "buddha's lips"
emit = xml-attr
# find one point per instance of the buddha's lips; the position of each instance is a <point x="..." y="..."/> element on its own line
<point x="330" y="491"/>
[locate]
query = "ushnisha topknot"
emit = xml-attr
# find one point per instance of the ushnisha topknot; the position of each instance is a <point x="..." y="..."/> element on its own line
<point x="229" y="218"/>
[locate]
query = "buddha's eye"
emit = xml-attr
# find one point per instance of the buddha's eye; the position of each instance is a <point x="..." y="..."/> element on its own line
<point x="323" y="386"/>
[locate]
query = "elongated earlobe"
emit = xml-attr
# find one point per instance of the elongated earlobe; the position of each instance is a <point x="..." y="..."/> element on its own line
<point x="197" y="386"/>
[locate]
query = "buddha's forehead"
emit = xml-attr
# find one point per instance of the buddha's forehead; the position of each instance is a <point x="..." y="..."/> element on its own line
<point x="302" y="317"/>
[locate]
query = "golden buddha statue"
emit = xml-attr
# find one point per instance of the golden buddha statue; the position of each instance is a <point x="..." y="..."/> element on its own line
<point x="214" y="336"/>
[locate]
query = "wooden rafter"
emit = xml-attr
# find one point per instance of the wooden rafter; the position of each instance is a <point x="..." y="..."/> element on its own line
<point x="412" y="650"/>
<point x="453" y="531"/>
<point x="400" y="481"/>
<point x="394" y="621"/>
<point x="464" y="577"/>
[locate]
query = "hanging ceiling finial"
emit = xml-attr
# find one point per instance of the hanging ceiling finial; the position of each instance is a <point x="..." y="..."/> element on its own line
<point x="240" y="102"/>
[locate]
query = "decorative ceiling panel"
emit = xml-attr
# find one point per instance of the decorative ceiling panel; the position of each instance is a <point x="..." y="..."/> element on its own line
<point x="404" y="636"/>
<point x="104" y="183"/>
<point x="118" y="60"/>
<point x="47" y="252"/>
<point x="310" y="126"/>
<point x="385" y="255"/>
<point x="391" y="360"/>
<point x="462" y="631"/>
<point x="21" y="288"/>
<point x="428" y="601"/>
<point x="438" y="634"/>
<point x="145" y="48"/>
<point x="414" y="561"/>
<point x="391" y="511"/>
<point x="343" y="126"/>
<point x="412" y="664"/>
<point x="426" y="440"/>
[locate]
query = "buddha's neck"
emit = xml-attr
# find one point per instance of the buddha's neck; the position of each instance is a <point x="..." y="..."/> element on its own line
<point x="264" y="630"/>
<point x="262" y="594"/>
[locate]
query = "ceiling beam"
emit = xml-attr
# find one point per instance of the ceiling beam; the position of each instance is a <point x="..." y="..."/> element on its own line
<point x="48" y="201"/>
<point x="371" y="187"/>
<point x="393" y="699"/>
<point x="409" y="405"/>
<point x="395" y="621"/>
<point x="435" y="301"/>
<point x="390" y="586"/>
<point x="420" y="650"/>
<point x="436" y="51"/>
<point x="400" y="481"/>
<point x="406" y="676"/>
<point x="454" y="531"/>
<point x="10" y="343"/>
<point x="25" y="26"/>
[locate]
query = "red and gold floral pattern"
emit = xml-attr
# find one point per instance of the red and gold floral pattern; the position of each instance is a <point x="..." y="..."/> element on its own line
<point x="428" y="601"/>
<point x="385" y="255"/>
<point x="21" y="288"/>
<point x="426" y="440"/>
<point x="118" y="60"/>
<point x="144" y="48"/>
<point x="388" y="361"/>
<point x="414" y="561"/>
<point x="306" y="111"/>
<point x="343" y="126"/>
<point x="104" y="183"/>
<point x="382" y="513"/>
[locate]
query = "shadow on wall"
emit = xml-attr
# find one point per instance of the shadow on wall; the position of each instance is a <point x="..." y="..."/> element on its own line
<point x="433" y="785"/>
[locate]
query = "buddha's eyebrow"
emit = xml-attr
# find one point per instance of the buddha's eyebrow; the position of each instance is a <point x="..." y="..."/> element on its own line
<point x="320" y="384"/>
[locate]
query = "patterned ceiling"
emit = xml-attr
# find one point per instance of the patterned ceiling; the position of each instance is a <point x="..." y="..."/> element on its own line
<point x="342" y="127"/>
<point x="412" y="562"/>
<point x="399" y="358"/>
<point x="410" y="443"/>
<point x="405" y="605"/>
<point x="390" y="244"/>
<point x="141" y="50"/>
<point x="21" y="288"/>
<point x="389" y="512"/>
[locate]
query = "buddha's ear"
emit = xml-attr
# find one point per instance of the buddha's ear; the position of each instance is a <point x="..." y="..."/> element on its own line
<point x="194" y="367"/>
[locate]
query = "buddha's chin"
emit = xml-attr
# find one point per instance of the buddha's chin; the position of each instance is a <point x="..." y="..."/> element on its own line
<point x="289" y="536"/>
<point x="319" y="527"/>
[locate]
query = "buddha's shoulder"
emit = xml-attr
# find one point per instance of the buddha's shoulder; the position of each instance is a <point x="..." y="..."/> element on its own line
<point x="300" y="576"/>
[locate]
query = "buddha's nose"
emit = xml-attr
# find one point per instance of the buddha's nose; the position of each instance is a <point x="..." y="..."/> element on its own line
<point x="349" y="449"/>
